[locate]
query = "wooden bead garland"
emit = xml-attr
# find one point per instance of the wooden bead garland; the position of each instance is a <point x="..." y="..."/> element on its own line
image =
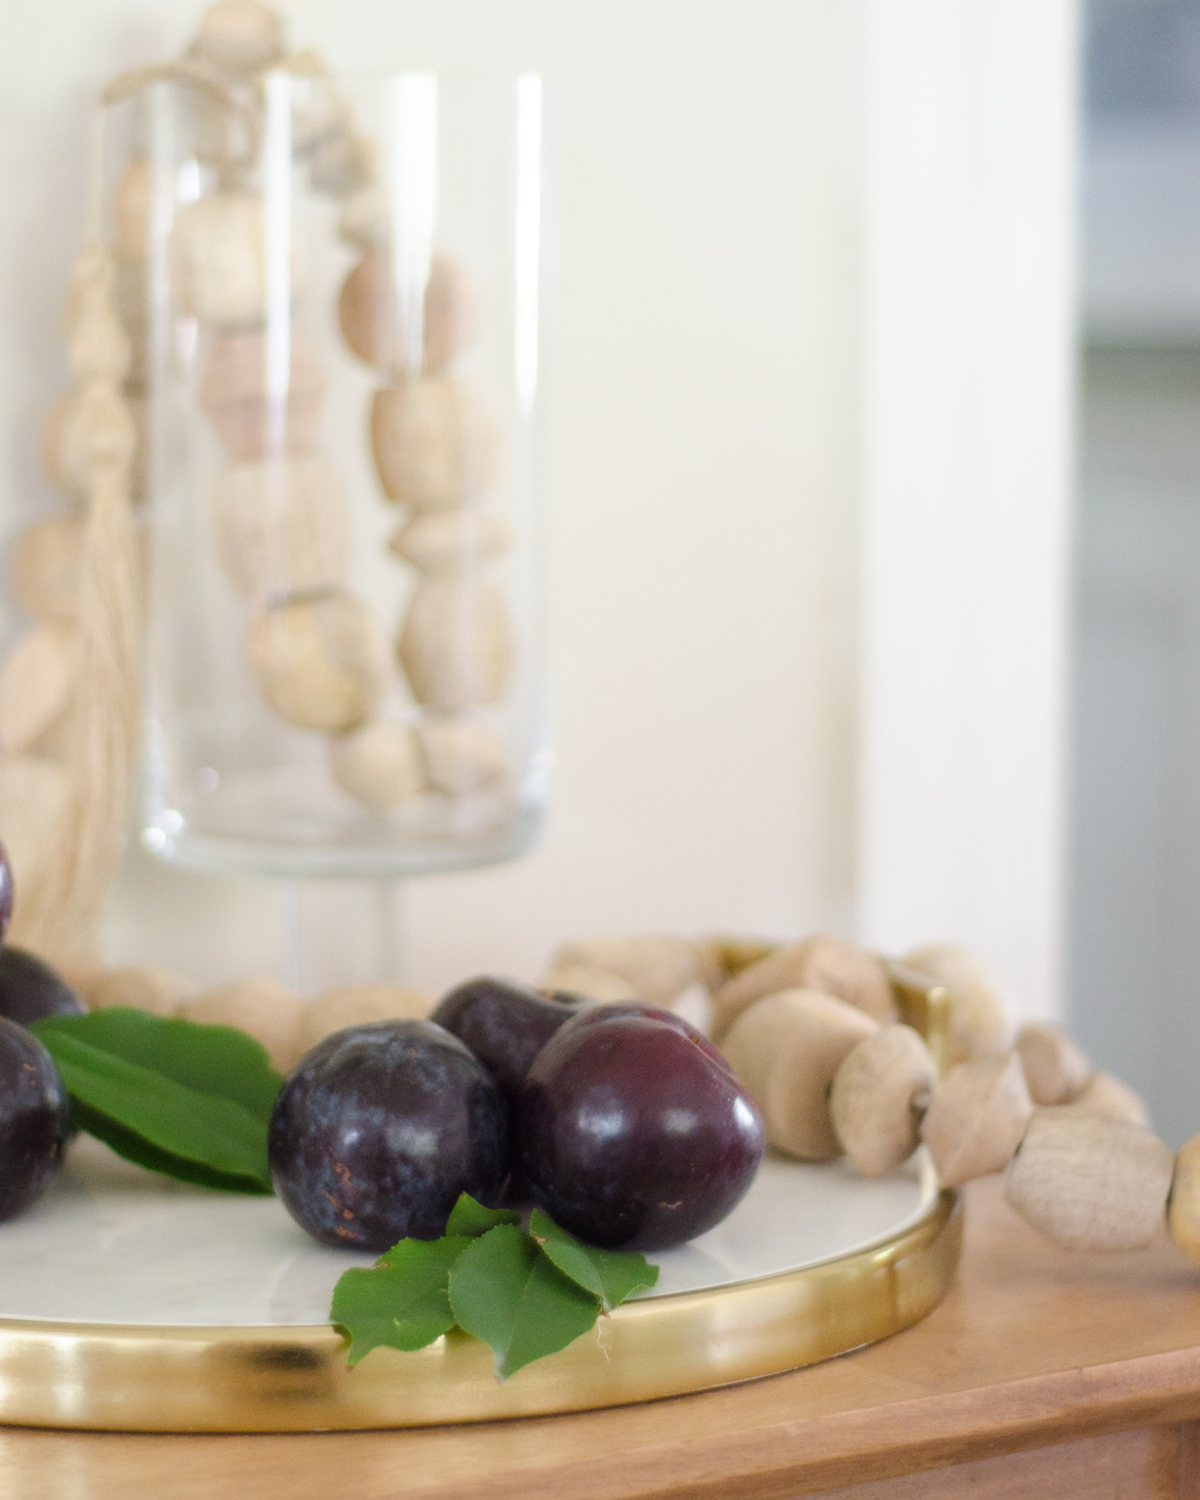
<point x="826" y="1075"/>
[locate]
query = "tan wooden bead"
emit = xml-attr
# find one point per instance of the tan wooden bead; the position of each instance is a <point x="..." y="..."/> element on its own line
<point x="359" y="1005"/>
<point x="89" y="432"/>
<point x="372" y="316"/>
<point x="878" y="1097"/>
<point x="366" y="219"/>
<point x="589" y="980"/>
<point x="131" y="298"/>
<point x="132" y="207"/>
<point x="456" y="643"/>
<point x="342" y="164"/>
<point x="1108" y="1096"/>
<point x="1055" y="1069"/>
<point x="1183" y="1211"/>
<point x="979" y="1026"/>
<point x="319" y="111"/>
<point x="97" y="344"/>
<point x="1090" y="1183"/>
<point x="440" y="541"/>
<point x="155" y="990"/>
<point x="977" y="1118"/>
<point x="819" y="963"/>
<point x="252" y="424"/>
<point x="380" y="765"/>
<point x="461" y="754"/>
<point x="786" y="1049"/>
<point x="281" y="526"/>
<point x="240" y="37"/>
<point x="46" y="567"/>
<point x="262" y="1007"/>
<point x="723" y="956"/>
<point x="434" y="442"/>
<point x="35" y="795"/>
<point x="217" y="261"/>
<point x="658" y="967"/>
<point x="37" y="684"/>
<point x="320" y="660"/>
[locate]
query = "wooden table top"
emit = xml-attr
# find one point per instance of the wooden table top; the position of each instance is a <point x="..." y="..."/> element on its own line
<point x="1032" y="1346"/>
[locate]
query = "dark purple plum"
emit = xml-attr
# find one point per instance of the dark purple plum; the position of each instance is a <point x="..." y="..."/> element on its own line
<point x="35" y="1118"/>
<point x="504" y="1023"/>
<point x="614" y="1010"/>
<point x="6" y="892"/>
<point x="379" y="1128"/>
<point x="31" y="990"/>
<point x="633" y="1132"/>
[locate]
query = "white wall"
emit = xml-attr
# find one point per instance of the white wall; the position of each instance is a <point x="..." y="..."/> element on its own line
<point x="705" y="554"/>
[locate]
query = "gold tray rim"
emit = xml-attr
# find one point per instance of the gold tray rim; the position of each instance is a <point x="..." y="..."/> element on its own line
<point x="253" y="1378"/>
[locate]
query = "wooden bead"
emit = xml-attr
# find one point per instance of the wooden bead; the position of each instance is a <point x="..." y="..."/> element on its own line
<point x="35" y="795"/>
<point x="461" y="755"/>
<point x="342" y="164"/>
<point x="380" y="765"/>
<point x="262" y="1008"/>
<point x="89" y="433"/>
<point x="456" y="644"/>
<point x="372" y="316"/>
<point x="723" y="956"/>
<point x="46" y="568"/>
<point x="786" y="1049"/>
<point x="818" y="963"/>
<point x="978" y="1024"/>
<point x="252" y="424"/>
<point x="320" y="660"/>
<point x="1090" y="1183"/>
<point x="131" y="296"/>
<point x="1183" y="1211"/>
<point x="319" y="111"/>
<point x="366" y="219"/>
<point x="132" y="208"/>
<point x="440" y="541"/>
<point x="155" y="990"/>
<point x="359" y="1005"/>
<point x="217" y="261"/>
<point x="878" y="1097"/>
<point x="240" y="37"/>
<point x="658" y="967"/>
<point x="97" y="344"/>
<point x="1108" y="1096"/>
<point x="977" y="1118"/>
<point x="587" y="980"/>
<point x="37" y="684"/>
<point x="1055" y="1069"/>
<point x="281" y="526"/>
<point x="434" y="443"/>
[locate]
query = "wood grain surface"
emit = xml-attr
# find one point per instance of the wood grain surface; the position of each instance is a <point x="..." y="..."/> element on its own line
<point x="1092" y="1363"/>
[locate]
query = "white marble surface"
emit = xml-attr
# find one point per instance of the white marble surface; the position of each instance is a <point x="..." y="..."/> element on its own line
<point x="110" y="1243"/>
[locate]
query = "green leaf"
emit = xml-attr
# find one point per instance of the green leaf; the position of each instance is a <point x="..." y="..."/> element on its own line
<point x="611" y="1275"/>
<point x="218" y="1060"/>
<point x="172" y="1113"/>
<point x="471" y="1218"/>
<point x="505" y="1291"/>
<point x="402" y="1303"/>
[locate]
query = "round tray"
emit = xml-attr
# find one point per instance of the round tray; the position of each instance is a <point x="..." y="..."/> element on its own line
<point x="131" y="1303"/>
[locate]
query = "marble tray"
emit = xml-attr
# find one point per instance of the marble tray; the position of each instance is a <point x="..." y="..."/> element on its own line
<point x="135" y="1303"/>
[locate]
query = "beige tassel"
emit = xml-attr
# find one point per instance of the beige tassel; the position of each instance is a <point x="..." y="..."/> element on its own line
<point x="53" y="910"/>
